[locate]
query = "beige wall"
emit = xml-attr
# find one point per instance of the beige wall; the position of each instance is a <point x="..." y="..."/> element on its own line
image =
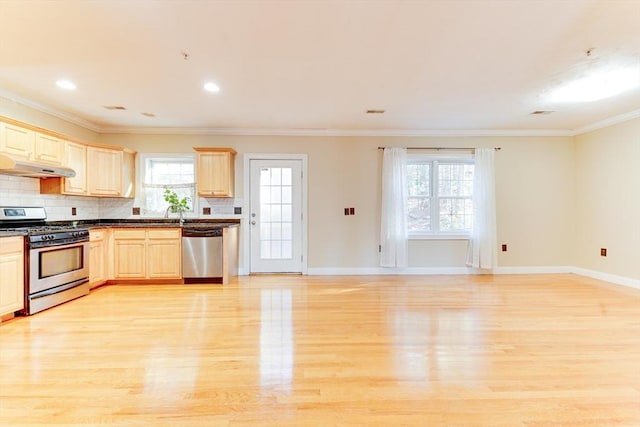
<point x="559" y="199"/>
<point x="608" y="200"/>
<point x="535" y="194"/>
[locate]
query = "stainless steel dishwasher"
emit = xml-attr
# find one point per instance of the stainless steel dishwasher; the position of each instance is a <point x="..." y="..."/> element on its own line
<point x="202" y="255"/>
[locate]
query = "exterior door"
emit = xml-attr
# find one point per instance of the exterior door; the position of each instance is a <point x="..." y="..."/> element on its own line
<point x="275" y="221"/>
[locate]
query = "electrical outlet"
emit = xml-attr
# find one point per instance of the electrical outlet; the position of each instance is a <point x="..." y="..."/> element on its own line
<point x="135" y="211"/>
<point x="74" y="211"/>
<point x="346" y="211"/>
<point x="352" y="211"/>
<point x="504" y="248"/>
<point x="206" y="211"/>
<point x="603" y="251"/>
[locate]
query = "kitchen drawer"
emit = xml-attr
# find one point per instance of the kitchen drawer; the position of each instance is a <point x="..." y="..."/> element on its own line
<point x="11" y="244"/>
<point x="129" y="234"/>
<point x="172" y="233"/>
<point x="96" y="235"/>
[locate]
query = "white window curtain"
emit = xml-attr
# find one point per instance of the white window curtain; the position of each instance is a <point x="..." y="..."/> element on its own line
<point x="393" y="233"/>
<point x="482" y="251"/>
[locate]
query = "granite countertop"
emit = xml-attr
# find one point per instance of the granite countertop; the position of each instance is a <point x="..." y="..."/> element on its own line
<point x="133" y="223"/>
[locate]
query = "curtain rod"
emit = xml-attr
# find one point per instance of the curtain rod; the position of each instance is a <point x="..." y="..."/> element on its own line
<point x="441" y="148"/>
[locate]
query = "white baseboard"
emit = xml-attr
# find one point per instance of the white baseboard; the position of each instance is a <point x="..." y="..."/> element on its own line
<point x="612" y="278"/>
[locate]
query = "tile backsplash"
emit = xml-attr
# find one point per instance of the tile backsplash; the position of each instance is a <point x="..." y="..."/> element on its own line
<point x="21" y="191"/>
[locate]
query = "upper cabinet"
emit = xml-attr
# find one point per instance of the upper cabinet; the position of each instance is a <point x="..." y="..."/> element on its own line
<point x="27" y="144"/>
<point x="49" y="149"/>
<point x="103" y="171"/>
<point x="104" y="177"/>
<point x="215" y="171"/>
<point x="100" y="172"/>
<point x="76" y="159"/>
<point x="128" y="173"/>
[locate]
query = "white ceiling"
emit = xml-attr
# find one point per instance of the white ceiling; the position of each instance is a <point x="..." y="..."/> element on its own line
<point x="315" y="66"/>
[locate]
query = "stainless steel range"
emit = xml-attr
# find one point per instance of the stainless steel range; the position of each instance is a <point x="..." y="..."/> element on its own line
<point x="56" y="258"/>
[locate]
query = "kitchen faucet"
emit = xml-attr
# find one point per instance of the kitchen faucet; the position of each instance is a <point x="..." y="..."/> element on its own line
<point x="180" y="215"/>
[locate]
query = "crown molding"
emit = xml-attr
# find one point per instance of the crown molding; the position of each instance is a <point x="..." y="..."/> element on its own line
<point x="338" y="132"/>
<point x="71" y="118"/>
<point x="608" y="122"/>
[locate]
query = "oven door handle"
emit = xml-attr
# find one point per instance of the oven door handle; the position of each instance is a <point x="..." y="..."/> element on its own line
<point x="58" y="289"/>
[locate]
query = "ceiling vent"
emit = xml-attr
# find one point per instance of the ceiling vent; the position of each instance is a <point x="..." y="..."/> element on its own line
<point x="375" y="111"/>
<point x="114" y="107"/>
<point x="541" y="112"/>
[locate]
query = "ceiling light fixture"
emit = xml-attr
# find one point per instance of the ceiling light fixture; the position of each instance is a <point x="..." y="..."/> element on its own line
<point x="66" y="84"/>
<point x="211" y="87"/>
<point x="542" y="112"/>
<point x="598" y="83"/>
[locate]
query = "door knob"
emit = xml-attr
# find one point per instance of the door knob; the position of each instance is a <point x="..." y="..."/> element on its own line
<point x="253" y="223"/>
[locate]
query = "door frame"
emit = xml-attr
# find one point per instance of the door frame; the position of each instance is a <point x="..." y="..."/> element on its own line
<point x="246" y="239"/>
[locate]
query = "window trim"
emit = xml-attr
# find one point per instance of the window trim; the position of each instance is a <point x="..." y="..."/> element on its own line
<point x="140" y="173"/>
<point x="435" y="159"/>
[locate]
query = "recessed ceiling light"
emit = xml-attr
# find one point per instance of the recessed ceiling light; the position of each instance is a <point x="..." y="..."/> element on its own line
<point x="66" y="84"/>
<point x="211" y="87"/>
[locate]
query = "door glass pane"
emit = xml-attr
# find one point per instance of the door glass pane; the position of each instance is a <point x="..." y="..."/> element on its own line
<point x="287" y="213"/>
<point x="276" y="213"/>
<point x="286" y="176"/>
<point x="286" y="194"/>
<point x="276" y="194"/>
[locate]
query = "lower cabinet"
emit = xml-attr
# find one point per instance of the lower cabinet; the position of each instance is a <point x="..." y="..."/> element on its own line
<point x="11" y="274"/>
<point x="98" y="261"/>
<point x="164" y="254"/>
<point x="147" y="253"/>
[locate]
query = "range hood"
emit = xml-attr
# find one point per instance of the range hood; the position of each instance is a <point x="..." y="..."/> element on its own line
<point x="11" y="166"/>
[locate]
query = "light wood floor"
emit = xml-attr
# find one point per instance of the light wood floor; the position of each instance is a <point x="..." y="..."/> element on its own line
<point x="541" y="350"/>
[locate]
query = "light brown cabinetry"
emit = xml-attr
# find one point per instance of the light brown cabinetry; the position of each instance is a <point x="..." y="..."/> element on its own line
<point x="76" y="159"/>
<point x="104" y="177"/>
<point x="27" y="144"/>
<point x="147" y="253"/>
<point x="11" y="275"/>
<point x="98" y="260"/>
<point x="49" y="149"/>
<point x="215" y="171"/>
<point x="17" y="141"/>
<point x="128" y="173"/>
<point x="100" y="171"/>
<point x="164" y="256"/>
<point x="129" y="254"/>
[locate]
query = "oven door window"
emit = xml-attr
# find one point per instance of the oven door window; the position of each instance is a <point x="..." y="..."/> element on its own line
<point x="60" y="261"/>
